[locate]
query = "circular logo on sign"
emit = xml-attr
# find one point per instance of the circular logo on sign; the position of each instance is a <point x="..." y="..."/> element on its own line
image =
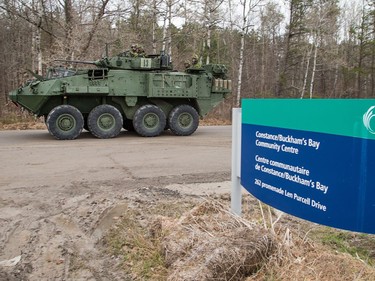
<point x="367" y="119"/>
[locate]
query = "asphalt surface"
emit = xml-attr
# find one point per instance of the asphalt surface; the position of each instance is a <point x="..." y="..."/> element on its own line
<point x="35" y="158"/>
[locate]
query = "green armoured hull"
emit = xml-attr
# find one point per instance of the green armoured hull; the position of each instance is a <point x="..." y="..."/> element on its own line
<point x="129" y="86"/>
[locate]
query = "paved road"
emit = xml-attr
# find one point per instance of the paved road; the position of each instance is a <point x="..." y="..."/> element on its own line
<point x="35" y="158"/>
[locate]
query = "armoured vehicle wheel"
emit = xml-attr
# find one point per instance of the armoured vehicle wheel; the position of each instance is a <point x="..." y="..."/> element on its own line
<point x="149" y="120"/>
<point x="183" y="120"/>
<point x="128" y="125"/>
<point x="105" y="121"/>
<point x="65" y="122"/>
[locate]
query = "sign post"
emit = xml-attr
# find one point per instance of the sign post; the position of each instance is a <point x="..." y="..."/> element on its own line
<point x="236" y="195"/>
<point x="314" y="159"/>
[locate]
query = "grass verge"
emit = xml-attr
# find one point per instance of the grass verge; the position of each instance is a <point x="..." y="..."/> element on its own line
<point x="21" y="121"/>
<point x="305" y="251"/>
<point x="139" y="249"/>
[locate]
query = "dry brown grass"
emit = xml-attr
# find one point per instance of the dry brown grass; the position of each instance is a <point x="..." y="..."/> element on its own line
<point x="204" y="241"/>
<point x="302" y="251"/>
<point x="20" y="120"/>
<point x="29" y="125"/>
<point x="214" y="122"/>
<point x="210" y="243"/>
<point x="309" y="260"/>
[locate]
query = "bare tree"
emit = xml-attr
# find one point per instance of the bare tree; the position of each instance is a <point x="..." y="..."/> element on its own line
<point x="155" y="17"/>
<point x="294" y="47"/>
<point x="365" y="35"/>
<point x="271" y="26"/>
<point x="212" y="18"/>
<point x="248" y="7"/>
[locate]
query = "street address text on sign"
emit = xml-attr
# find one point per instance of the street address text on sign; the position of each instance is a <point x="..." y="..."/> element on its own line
<point x="314" y="159"/>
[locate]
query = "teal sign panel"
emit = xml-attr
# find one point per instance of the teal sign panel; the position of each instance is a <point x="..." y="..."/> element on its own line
<point x="314" y="159"/>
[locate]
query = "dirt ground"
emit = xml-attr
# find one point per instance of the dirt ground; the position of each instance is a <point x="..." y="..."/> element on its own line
<point x="60" y="238"/>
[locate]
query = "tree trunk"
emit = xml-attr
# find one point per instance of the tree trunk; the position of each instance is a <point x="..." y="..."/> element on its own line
<point x="170" y="3"/>
<point x="306" y="71"/>
<point x="208" y="44"/>
<point x="36" y="50"/>
<point x="242" y="48"/>
<point x="154" y="25"/>
<point x="68" y="10"/>
<point x="313" y="70"/>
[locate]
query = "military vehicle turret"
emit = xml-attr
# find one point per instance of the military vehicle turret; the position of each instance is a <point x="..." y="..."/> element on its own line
<point x="139" y="93"/>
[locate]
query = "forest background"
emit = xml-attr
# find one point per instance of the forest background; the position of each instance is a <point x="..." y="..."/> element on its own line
<point x="273" y="48"/>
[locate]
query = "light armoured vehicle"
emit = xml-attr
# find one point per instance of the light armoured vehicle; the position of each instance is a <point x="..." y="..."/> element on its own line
<point x="141" y="93"/>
